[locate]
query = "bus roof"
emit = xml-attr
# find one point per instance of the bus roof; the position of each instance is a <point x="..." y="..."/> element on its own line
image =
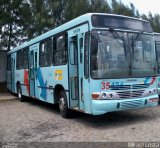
<point x="79" y="20"/>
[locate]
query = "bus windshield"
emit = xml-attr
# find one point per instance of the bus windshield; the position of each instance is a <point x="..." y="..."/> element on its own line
<point x="158" y="56"/>
<point x="117" y="54"/>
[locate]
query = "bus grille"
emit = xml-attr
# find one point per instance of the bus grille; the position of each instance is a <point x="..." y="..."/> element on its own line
<point x="130" y="91"/>
<point x="120" y="87"/>
<point x="131" y="104"/>
<point x="140" y="86"/>
<point x="130" y="94"/>
<point x="125" y="87"/>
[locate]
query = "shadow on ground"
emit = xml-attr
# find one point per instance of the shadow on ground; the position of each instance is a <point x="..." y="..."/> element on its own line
<point x="113" y="119"/>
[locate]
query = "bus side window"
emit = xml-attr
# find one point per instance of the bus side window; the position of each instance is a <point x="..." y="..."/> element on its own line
<point x="45" y="54"/>
<point x="60" y="50"/>
<point x="19" y="62"/>
<point x="25" y="58"/>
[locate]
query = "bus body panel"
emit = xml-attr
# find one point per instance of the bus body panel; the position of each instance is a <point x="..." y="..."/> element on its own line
<point x="48" y="78"/>
<point x="158" y="84"/>
<point x="126" y="94"/>
<point x="21" y="78"/>
<point x="104" y="106"/>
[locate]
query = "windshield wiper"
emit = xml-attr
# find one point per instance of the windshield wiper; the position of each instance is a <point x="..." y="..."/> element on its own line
<point x="117" y="36"/>
<point x="135" y="39"/>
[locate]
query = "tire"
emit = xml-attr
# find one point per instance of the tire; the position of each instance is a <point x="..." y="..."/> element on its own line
<point x="63" y="105"/>
<point x="19" y="93"/>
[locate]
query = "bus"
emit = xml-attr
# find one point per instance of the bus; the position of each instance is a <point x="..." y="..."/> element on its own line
<point x="96" y="63"/>
<point x="157" y="47"/>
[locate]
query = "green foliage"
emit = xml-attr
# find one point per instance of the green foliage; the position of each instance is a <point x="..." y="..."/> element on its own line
<point x="22" y="20"/>
<point x="120" y="8"/>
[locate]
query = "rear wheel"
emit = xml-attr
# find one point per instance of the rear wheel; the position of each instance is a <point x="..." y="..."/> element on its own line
<point x="63" y="105"/>
<point x="19" y="93"/>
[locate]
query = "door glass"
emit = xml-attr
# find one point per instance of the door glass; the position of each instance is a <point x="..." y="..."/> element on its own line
<point x="31" y="65"/>
<point x="35" y="59"/>
<point x="73" y="53"/>
<point x="74" y="68"/>
<point x="158" y="56"/>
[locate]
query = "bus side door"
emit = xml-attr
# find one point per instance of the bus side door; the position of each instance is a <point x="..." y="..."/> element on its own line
<point x="33" y="65"/>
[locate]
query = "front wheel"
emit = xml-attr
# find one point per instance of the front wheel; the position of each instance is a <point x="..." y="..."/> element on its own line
<point x="63" y="105"/>
<point x="19" y="93"/>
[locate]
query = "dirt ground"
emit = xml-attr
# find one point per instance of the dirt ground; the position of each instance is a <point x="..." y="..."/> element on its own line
<point x="35" y="121"/>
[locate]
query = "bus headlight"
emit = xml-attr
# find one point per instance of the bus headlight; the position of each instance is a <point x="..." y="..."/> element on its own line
<point x="153" y="91"/>
<point x="150" y="92"/>
<point x="109" y="95"/>
<point x="104" y="96"/>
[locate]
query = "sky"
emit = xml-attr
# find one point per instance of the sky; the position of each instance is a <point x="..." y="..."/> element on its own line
<point x="144" y="6"/>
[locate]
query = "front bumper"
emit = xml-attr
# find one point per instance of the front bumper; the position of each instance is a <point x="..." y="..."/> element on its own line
<point x="103" y="106"/>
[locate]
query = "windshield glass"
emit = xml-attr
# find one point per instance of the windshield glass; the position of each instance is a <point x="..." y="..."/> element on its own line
<point x="158" y="55"/>
<point x="121" y="54"/>
<point x="142" y="54"/>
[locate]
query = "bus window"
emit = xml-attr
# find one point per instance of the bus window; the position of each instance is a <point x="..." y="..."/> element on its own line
<point x="147" y="51"/>
<point x="86" y="55"/>
<point x="81" y="48"/>
<point x="25" y="58"/>
<point x="19" y="63"/>
<point x="81" y="43"/>
<point x="158" y="55"/>
<point x="45" y="53"/>
<point x="60" y="50"/>
<point x="73" y="51"/>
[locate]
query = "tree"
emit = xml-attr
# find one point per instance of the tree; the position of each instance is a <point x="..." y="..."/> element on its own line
<point x="11" y="22"/>
<point x="100" y="6"/>
<point x="154" y="21"/>
<point x="27" y="19"/>
<point x="120" y="8"/>
<point x="74" y="9"/>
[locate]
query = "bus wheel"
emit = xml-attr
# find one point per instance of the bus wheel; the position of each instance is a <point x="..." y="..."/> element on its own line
<point x="19" y="93"/>
<point x="63" y="105"/>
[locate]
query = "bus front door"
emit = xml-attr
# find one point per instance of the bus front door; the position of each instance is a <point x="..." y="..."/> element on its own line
<point x="73" y="72"/>
<point x="13" y="69"/>
<point x="33" y="64"/>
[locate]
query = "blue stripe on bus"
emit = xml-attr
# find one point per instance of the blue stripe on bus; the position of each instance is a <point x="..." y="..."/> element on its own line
<point x="42" y="84"/>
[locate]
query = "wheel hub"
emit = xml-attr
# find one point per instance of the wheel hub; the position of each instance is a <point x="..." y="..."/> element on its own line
<point x="19" y="93"/>
<point x="62" y="104"/>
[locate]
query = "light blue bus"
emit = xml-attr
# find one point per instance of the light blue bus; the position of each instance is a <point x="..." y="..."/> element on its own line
<point x="96" y="63"/>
